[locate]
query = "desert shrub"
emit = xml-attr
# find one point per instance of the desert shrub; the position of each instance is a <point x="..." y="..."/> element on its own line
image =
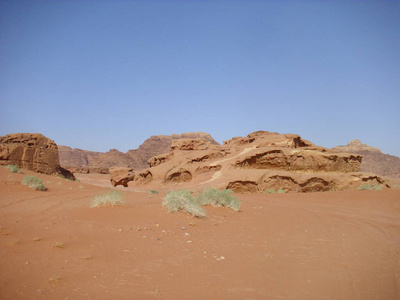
<point x="111" y="198"/>
<point x="13" y="169"/>
<point x="218" y="198"/>
<point x="153" y="192"/>
<point x="370" y="187"/>
<point x="270" y="191"/>
<point x="33" y="182"/>
<point x="365" y="187"/>
<point x="183" y="201"/>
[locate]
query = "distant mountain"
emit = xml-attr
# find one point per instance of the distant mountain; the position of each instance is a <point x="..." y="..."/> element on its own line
<point x="374" y="160"/>
<point x="78" y="160"/>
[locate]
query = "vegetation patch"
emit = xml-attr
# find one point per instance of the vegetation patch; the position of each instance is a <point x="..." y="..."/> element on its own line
<point x="370" y="187"/>
<point x="183" y="200"/>
<point x="14" y="169"/>
<point x="272" y="191"/>
<point x="34" y="182"/>
<point x="218" y="198"/>
<point x="111" y="198"/>
<point x="153" y="192"/>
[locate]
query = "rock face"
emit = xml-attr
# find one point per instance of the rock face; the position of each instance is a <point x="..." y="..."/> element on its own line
<point x="32" y="151"/>
<point x="121" y="176"/>
<point x="373" y="159"/>
<point x="98" y="162"/>
<point x="261" y="162"/>
<point x="83" y="161"/>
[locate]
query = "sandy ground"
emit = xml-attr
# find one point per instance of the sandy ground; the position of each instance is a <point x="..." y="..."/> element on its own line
<point x="334" y="245"/>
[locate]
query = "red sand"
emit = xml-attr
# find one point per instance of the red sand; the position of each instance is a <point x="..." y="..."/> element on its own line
<point x="334" y="245"/>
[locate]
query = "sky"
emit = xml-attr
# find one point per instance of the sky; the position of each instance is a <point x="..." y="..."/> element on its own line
<point x="100" y="75"/>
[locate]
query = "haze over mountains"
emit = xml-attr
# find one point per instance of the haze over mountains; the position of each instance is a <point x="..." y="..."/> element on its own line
<point x="84" y="161"/>
<point x="373" y="159"/>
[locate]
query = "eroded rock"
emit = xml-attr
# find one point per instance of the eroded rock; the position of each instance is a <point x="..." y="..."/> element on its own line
<point x="32" y="151"/>
<point x="121" y="176"/>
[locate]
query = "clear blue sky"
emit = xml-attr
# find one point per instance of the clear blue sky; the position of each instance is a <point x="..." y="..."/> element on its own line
<point x="97" y="75"/>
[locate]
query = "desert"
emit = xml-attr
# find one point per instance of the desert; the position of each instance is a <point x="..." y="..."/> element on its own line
<point x="294" y="245"/>
<point x="203" y="150"/>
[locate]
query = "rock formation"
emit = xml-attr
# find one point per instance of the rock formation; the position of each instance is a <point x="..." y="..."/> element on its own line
<point x="262" y="161"/>
<point x="373" y="159"/>
<point x="98" y="162"/>
<point x="121" y="176"/>
<point x="33" y="152"/>
<point x="84" y="161"/>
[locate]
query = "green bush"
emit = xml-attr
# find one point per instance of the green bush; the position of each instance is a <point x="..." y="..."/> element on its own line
<point x="214" y="197"/>
<point x="13" y="169"/>
<point x="111" y="198"/>
<point x="33" y="182"/>
<point x="281" y="191"/>
<point x="183" y="201"/>
<point x="153" y="192"/>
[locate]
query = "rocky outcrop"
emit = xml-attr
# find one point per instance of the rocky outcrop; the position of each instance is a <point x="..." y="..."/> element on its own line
<point x="261" y="162"/>
<point x="374" y="160"/>
<point x="32" y="151"/>
<point x="98" y="162"/>
<point x="303" y="160"/>
<point x="121" y="176"/>
<point x="190" y="144"/>
<point x="83" y="161"/>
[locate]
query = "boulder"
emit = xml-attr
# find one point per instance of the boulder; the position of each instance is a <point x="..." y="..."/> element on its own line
<point x="121" y="176"/>
<point x="32" y="151"/>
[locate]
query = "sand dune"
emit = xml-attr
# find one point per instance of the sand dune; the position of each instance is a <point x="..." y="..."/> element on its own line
<point x="333" y="245"/>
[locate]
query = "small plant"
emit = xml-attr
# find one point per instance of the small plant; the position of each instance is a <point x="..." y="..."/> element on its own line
<point x="281" y="191"/>
<point x="13" y="169"/>
<point x="270" y="191"/>
<point x="153" y="192"/>
<point x="59" y="245"/>
<point x="183" y="200"/>
<point x="370" y="187"/>
<point x="54" y="279"/>
<point x="218" y="198"/>
<point x="111" y="198"/>
<point x="34" y="182"/>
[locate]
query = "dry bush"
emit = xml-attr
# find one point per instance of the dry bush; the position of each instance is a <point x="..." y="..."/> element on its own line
<point x="34" y="182"/>
<point x="111" y="198"/>
<point x="215" y="197"/>
<point x="183" y="201"/>
<point x="14" y="169"/>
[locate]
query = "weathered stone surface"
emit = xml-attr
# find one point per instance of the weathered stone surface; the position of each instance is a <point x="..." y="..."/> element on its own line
<point x="261" y="162"/>
<point x="190" y="144"/>
<point x="121" y="176"/>
<point x="373" y="159"/>
<point x="32" y="151"/>
<point x="159" y="159"/>
<point x="98" y="162"/>
<point x="303" y="160"/>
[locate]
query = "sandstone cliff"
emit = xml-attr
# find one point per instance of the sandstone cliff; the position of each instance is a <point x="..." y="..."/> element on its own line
<point x="32" y="151"/>
<point x="262" y="161"/>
